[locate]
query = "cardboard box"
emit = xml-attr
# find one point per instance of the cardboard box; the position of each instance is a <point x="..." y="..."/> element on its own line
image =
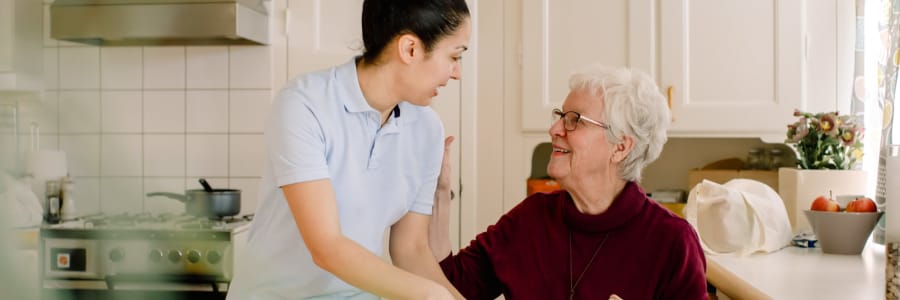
<point x="770" y="178"/>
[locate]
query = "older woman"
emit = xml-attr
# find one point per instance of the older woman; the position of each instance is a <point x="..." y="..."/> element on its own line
<point x="600" y="236"/>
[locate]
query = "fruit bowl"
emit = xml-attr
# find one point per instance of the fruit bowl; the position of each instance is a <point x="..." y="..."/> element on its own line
<point x="842" y="232"/>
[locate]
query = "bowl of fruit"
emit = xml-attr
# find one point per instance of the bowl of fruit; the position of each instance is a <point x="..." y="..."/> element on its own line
<point x="842" y="231"/>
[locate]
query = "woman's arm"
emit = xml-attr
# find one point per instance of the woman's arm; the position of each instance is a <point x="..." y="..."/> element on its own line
<point x="314" y="208"/>
<point x="469" y="272"/>
<point x="410" y="251"/>
<point x="410" y="237"/>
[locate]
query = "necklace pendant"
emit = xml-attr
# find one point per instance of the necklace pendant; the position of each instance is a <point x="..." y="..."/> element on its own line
<point x="571" y="294"/>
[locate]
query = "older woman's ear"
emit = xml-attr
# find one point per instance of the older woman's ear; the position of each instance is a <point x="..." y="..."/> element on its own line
<point x="623" y="148"/>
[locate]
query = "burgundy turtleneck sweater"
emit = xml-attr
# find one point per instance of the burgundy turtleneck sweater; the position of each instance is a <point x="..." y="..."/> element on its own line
<point x="649" y="253"/>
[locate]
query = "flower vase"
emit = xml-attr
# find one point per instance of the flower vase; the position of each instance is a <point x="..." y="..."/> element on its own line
<point x="798" y="188"/>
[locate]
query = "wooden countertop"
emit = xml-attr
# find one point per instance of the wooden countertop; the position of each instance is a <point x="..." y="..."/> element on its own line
<point x="800" y="273"/>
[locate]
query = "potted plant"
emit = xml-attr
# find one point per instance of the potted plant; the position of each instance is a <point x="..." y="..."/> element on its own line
<point x="825" y="140"/>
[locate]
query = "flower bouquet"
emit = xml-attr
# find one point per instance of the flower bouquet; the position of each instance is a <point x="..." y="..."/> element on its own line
<point x="825" y="140"/>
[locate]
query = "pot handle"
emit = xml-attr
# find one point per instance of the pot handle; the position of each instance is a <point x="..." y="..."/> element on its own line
<point x="179" y="197"/>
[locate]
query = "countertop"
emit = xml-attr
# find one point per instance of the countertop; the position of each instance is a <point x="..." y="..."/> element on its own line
<point x="800" y="273"/>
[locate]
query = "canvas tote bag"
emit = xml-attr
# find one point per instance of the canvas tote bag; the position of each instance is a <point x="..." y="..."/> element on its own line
<point x="740" y="217"/>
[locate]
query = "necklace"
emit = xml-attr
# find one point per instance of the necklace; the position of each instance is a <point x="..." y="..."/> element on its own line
<point x="574" y="284"/>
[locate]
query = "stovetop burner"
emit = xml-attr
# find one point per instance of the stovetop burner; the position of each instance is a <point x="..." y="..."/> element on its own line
<point x="211" y="223"/>
<point x="150" y="221"/>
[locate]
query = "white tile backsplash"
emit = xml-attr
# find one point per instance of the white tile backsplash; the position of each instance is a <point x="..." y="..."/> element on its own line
<point x="164" y="68"/>
<point x="120" y="155"/>
<point x="249" y="110"/>
<point x="87" y="195"/>
<point x="79" y="68"/>
<point x="121" y="111"/>
<point x="45" y="142"/>
<point x="139" y="119"/>
<point x="193" y="183"/>
<point x="250" y="67"/>
<point x="164" y="111"/>
<point x="51" y="68"/>
<point x="207" y="67"/>
<point x="79" y="111"/>
<point x="42" y="113"/>
<point x="247" y="155"/>
<point x="164" y="155"/>
<point x="249" y="193"/>
<point x="122" y="195"/>
<point x="207" y="111"/>
<point x="120" y="67"/>
<point x="207" y="155"/>
<point x="82" y="153"/>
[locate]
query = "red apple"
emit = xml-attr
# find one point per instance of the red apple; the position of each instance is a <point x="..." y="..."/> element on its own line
<point x="861" y="204"/>
<point x="824" y="204"/>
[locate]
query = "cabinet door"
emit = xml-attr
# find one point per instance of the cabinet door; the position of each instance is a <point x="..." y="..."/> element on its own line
<point x="20" y="46"/>
<point x="731" y="68"/>
<point x="560" y="36"/>
<point x="324" y="33"/>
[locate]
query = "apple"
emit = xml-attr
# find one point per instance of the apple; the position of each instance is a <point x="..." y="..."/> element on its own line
<point x="861" y="204"/>
<point x="824" y="204"/>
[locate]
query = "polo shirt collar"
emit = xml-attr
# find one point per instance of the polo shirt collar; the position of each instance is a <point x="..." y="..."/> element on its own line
<point x="356" y="103"/>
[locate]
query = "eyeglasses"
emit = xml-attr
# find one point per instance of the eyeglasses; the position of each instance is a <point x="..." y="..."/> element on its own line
<point x="571" y="118"/>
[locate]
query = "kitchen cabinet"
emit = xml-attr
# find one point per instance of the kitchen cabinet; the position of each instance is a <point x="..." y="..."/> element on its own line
<point x="559" y="36"/>
<point x="319" y="34"/>
<point x="20" y="45"/>
<point x="731" y="67"/>
<point x="728" y="68"/>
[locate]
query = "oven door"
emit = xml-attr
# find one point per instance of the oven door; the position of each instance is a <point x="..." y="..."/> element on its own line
<point x="128" y="286"/>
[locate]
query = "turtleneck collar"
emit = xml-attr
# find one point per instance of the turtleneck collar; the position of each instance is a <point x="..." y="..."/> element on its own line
<point x="628" y="204"/>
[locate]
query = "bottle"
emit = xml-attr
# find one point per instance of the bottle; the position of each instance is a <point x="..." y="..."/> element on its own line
<point x="52" y="203"/>
<point x="754" y="159"/>
<point x="775" y="158"/>
<point x="67" y="195"/>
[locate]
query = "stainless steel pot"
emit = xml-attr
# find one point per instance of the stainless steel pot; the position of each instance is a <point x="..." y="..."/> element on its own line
<point x="216" y="203"/>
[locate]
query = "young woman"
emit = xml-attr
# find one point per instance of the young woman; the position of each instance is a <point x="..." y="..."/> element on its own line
<point x="353" y="151"/>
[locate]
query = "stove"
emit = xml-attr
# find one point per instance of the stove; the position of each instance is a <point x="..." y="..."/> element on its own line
<point x="101" y="256"/>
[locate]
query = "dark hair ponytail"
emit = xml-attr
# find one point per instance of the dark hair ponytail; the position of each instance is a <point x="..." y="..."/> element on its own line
<point x="430" y="20"/>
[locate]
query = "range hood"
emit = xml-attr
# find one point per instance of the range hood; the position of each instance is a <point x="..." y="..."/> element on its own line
<point x="160" y="22"/>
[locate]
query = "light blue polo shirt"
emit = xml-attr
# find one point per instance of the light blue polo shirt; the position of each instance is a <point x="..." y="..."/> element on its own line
<point x="322" y="127"/>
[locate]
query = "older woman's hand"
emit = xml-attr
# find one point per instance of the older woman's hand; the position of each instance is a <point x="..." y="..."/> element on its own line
<point x="443" y="183"/>
<point x="439" y="227"/>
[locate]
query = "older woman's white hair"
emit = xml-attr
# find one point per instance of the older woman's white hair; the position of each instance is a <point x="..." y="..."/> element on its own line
<point x="632" y="106"/>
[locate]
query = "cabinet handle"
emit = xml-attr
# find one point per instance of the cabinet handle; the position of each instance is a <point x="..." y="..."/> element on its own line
<point x="669" y="101"/>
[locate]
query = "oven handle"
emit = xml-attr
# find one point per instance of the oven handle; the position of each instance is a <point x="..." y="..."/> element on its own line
<point x="213" y="281"/>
